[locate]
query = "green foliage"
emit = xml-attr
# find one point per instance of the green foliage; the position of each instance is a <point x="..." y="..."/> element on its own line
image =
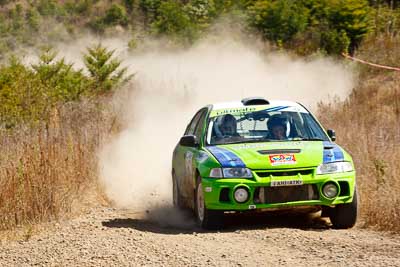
<point x="350" y="16"/>
<point x="201" y="11"/>
<point x="22" y="96"/>
<point x="150" y="9"/>
<point x="33" y="19"/>
<point x="115" y="15"/>
<point x="385" y="20"/>
<point x="105" y="71"/>
<point x="335" y="42"/>
<point x="279" y="20"/>
<point x="80" y="7"/>
<point x="4" y="2"/>
<point x="132" y="44"/>
<point x="336" y="25"/>
<point x="129" y="4"/>
<point x="173" y="21"/>
<point x="29" y="93"/>
<point x="63" y="82"/>
<point x="47" y="7"/>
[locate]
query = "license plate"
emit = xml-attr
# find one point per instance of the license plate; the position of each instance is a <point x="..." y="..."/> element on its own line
<point x="286" y="183"/>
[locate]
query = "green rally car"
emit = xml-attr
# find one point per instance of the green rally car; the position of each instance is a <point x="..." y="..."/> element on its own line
<point x="260" y="155"/>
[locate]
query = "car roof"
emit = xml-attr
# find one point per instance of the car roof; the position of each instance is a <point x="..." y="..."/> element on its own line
<point x="239" y="104"/>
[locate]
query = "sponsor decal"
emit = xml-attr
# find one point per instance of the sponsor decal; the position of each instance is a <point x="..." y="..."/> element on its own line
<point x="244" y="110"/>
<point x="282" y="159"/>
<point x="287" y="183"/>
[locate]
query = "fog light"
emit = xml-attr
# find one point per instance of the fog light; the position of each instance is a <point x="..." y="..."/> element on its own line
<point x="330" y="190"/>
<point x="241" y="195"/>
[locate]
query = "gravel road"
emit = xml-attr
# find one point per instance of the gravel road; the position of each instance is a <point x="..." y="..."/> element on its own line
<point x="113" y="237"/>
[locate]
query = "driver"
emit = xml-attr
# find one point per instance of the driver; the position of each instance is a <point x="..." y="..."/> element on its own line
<point x="226" y="128"/>
<point x="228" y="125"/>
<point x="277" y="126"/>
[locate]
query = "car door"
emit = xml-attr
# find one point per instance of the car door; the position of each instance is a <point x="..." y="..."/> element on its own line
<point x="184" y="165"/>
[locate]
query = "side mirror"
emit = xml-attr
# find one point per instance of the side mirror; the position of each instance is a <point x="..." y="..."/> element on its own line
<point x="331" y="134"/>
<point x="189" y="140"/>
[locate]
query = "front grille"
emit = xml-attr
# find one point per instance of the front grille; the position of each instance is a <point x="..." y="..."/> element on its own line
<point x="284" y="173"/>
<point x="278" y="151"/>
<point x="283" y="194"/>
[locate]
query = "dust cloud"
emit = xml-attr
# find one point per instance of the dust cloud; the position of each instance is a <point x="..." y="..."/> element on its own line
<point x="171" y="85"/>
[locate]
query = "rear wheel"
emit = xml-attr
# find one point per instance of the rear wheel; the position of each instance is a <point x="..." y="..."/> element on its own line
<point x="344" y="216"/>
<point x="208" y="219"/>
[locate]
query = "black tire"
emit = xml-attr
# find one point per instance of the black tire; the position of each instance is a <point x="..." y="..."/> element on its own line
<point x="177" y="199"/>
<point x="344" y="216"/>
<point x="211" y="219"/>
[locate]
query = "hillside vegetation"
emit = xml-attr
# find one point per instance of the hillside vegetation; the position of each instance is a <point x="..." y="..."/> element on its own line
<point x="53" y="117"/>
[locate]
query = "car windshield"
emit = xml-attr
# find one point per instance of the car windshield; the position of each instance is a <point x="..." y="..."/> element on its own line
<point x="263" y="126"/>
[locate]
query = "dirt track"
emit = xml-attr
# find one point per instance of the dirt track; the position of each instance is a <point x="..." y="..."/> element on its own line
<point x="106" y="236"/>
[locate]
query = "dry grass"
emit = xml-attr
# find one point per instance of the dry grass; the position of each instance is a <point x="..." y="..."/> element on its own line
<point x="368" y="126"/>
<point x="44" y="170"/>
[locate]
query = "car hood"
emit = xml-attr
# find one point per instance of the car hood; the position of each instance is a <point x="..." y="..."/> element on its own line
<point x="277" y="155"/>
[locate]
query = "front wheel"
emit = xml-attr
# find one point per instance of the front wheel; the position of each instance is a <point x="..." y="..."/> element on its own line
<point x="207" y="219"/>
<point x="344" y="216"/>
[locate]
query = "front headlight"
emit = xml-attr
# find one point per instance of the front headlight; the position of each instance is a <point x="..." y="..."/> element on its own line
<point x="335" y="167"/>
<point x="231" y="173"/>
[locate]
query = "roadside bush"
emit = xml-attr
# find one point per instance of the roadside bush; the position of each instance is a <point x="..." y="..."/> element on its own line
<point x="173" y="21"/>
<point x="373" y="141"/>
<point x="115" y="15"/>
<point x="33" y="19"/>
<point x="350" y="17"/>
<point x="150" y="9"/>
<point x="29" y="93"/>
<point x="201" y="12"/>
<point x="49" y="169"/>
<point x="63" y="82"/>
<point x="279" y="20"/>
<point x="334" y="25"/>
<point x="52" y="121"/>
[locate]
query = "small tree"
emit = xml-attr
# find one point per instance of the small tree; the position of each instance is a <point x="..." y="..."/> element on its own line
<point x="105" y="71"/>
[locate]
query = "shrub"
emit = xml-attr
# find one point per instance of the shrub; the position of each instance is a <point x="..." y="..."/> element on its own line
<point x="105" y="71"/>
<point x="33" y="19"/>
<point x="279" y="20"/>
<point x="47" y="7"/>
<point x="334" y="42"/>
<point x="172" y="20"/>
<point x="63" y="83"/>
<point x="115" y="15"/>
<point x="351" y="17"/>
<point x="201" y="12"/>
<point x="150" y="9"/>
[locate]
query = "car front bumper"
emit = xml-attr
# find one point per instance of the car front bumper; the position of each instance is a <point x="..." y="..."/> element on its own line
<point x="219" y="193"/>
